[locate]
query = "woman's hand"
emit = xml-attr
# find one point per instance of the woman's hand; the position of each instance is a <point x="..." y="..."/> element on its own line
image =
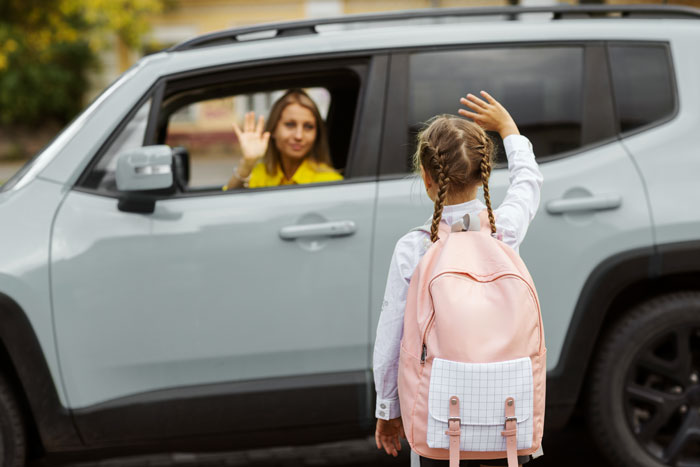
<point x="388" y="435"/>
<point x="489" y="115"/>
<point x="253" y="142"/>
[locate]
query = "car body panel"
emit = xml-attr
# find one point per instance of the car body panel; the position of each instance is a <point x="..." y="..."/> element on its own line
<point x="671" y="165"/>
<point x="159" y="301"/>
<point x="24" y="272"/>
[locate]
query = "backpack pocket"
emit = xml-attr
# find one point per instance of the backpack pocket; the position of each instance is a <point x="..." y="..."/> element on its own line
<point x="482" y="389"/>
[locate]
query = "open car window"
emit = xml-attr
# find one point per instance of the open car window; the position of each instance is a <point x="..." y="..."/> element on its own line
<point x="194" y="115"/>
<point x="203" y="131"/>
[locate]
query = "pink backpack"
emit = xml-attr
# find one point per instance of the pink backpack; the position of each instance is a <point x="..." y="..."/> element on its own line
<point x="472" y="367"/>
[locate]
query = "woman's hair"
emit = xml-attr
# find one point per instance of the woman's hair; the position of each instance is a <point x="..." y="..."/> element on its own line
<point x="457" y="155"/>
<point x="320" y="151"/>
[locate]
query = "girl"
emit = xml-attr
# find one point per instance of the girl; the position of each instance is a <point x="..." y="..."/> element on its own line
<point x="454" y="156"/>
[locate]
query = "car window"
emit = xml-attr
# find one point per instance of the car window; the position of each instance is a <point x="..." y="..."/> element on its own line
<point x="130" y="136"/>
<point x="194" y="115"/>
<point x="643" y="84"/>
<point x="542" y="87"/>
<point x="204" y="130"/>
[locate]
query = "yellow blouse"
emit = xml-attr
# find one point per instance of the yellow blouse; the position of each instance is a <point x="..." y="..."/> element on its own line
<point x="308" y="172"/>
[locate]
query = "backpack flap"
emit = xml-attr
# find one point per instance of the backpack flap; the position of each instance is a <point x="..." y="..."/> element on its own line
<point x="482" y="389"/>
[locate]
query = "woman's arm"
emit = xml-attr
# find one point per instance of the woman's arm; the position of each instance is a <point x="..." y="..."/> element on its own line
<point x="253" y="146"/>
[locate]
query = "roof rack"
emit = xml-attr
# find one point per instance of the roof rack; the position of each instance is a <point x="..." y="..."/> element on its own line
<point x="304" y="27"/>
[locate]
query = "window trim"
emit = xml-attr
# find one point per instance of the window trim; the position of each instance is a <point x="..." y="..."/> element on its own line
<point x="398" y="101"/>
<point x="371" y="82"/>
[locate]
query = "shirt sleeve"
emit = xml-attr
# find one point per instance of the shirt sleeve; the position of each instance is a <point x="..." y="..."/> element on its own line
<point x="522" y="199"/>
<point x="407" y="254"/>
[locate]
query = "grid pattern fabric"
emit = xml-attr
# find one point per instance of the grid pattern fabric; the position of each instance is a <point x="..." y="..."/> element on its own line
<point x="482" y="389"/>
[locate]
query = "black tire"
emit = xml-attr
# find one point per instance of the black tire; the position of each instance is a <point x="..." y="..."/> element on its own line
<point x="643" y="405"/>
<point x="12" y="431"/>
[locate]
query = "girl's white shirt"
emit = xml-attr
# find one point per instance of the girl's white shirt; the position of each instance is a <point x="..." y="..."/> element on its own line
<point x="513" y="217"/>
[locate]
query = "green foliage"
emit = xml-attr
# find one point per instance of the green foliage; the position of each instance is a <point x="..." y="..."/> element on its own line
<point x="47" y="48"/>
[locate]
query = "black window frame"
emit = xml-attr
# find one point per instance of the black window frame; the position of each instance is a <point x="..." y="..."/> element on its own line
<point x="598" y="118"/>
<point x="363" y="152"/>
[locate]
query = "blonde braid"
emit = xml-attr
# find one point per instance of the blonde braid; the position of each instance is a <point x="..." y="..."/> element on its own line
<point x="443" y="183"/>
<point x="485" y="173"/>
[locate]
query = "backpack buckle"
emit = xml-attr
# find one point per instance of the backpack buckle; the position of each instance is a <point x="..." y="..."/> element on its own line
<point x="452" y="429"/>
<point x="510" y="419"/>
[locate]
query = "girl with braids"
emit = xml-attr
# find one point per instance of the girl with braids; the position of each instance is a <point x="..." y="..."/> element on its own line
<point x="454" y="157"/>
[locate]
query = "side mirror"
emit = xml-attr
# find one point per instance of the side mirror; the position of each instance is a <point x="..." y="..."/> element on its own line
<point x="145" y="168"/>
<point x="139" y="171"/>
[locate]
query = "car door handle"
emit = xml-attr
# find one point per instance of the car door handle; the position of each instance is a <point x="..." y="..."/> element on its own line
<point x="324" y="229"/>
<point x="586" y="203"/>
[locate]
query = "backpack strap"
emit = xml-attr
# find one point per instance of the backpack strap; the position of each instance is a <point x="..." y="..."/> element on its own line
<point x="426" y="228"/>
<point x="422" y="228"/>
<point x="454" y="431"/>
<point x="510" y="433"/>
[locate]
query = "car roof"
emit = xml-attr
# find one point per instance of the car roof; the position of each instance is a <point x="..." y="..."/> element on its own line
<point x="555" y="12"/>
<point x="357" y="34"/>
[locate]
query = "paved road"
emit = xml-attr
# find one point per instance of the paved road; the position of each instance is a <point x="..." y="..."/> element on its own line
<point x="571" y="447"/>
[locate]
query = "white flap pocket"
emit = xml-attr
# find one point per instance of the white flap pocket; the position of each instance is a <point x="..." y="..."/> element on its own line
<point x="482" y="389"/>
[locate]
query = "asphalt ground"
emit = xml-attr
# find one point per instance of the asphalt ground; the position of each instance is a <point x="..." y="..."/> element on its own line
<point x="571" y="447"/>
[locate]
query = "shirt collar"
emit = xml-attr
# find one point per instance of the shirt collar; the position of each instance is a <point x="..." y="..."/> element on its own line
<point x="303" y="174"/>
<point x="454" y="212"/>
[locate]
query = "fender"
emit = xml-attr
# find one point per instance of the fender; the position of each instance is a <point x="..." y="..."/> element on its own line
<point x="604" y="286"/>
<point x="53" y="421"/>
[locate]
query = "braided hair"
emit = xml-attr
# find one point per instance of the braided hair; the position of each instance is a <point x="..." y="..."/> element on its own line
<point x="457" y="154"/>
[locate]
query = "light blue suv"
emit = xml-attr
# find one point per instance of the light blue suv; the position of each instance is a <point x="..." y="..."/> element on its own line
<point x="142" y="308"/>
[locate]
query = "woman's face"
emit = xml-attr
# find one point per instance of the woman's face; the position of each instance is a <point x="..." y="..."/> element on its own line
<point x="295" y="132"/>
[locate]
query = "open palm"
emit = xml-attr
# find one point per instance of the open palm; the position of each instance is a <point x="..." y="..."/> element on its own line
<point x="252" y="139"/>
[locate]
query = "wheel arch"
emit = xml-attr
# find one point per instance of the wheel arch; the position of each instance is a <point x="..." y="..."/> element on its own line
<point x="613" y="288"/>
<point x="49" y="425"/>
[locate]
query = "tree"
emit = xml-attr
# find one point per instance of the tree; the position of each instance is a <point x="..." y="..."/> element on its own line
<point x="47" y="48"/>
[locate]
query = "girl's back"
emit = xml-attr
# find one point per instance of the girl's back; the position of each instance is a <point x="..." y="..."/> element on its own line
<point x="454" y="157"/>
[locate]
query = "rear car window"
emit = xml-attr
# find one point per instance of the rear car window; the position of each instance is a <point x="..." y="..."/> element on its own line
<point x="542" y="88"/>
<point x="642" y="83"/>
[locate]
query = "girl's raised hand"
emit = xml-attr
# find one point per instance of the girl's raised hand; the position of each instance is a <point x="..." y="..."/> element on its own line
<point x="489" y="114"/>
<point x="252" y="139"/>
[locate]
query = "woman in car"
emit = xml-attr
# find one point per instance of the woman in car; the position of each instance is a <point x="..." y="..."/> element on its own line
<point x="299" y="151"/>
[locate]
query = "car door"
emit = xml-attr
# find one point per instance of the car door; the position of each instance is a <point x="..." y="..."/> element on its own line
<point x="220" y="312"/>
<point x="593" y="203"/>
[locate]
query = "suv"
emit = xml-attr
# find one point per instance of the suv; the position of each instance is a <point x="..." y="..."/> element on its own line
<point x="170" y="314"/>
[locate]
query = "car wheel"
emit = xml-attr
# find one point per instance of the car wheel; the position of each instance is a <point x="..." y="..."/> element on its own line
<point x="644" y="395"/>
<point x="12" y="433"/>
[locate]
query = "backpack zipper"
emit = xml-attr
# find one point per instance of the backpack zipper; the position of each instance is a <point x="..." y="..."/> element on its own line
<point x="424" y="352"/>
